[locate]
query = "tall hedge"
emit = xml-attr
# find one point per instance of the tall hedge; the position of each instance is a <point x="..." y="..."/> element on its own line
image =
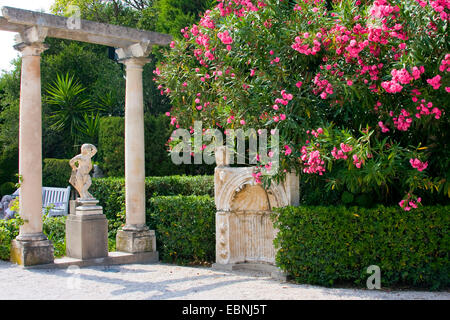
<point x="56" y="173"/>
<point x="111" y="147"/>
<point x="333" y="245"/>
<point x="157" y="160"/>
<point x="185" y="228"/>
<point x="111" y="193"/>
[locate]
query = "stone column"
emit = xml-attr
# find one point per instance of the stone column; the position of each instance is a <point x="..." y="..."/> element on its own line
<point x="31" y="245"/>
<point x="135" y="236"/>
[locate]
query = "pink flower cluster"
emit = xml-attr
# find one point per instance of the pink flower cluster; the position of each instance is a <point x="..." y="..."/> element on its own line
<point x="424" y="109"/>
<point x="435" y="82"/>
<point x="206" y="20"/>
<point x="312" y="161"/>
<point x="401" y="76"/>
<point x="384" y="129"/>
<point x="357" y="162"/>
<point x="445" y="64"/>
<point x="382" y="9"/>
<point x="409" y="203"/>
<point x="417" y="164"/>
<point x="339" y="154"/>
<point x="302" y="47"/>
<point x="402" y="122"/>
<point x="323" y="87"/>
<point x="257" y="176"/>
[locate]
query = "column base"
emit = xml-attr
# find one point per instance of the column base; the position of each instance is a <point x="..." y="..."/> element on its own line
<point x="32" y="252"/>
<point x="86" y="236"/>
<point x="134" y="241"/>
<point x="262" y="268"/>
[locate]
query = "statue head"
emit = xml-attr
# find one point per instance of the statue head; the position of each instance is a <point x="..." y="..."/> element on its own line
<point x="88" y="149"/>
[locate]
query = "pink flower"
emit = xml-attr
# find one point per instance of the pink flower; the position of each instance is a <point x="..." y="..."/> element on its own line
<point x="357" y="162"/>
<point x="282" y="116"/>
<point x="287" y="150"/>
<point x="417" y="164"/>
<point x="435" y="82"/>
<point x="252" y="72"/>
<point x="383" y="127"/>
<point x="299" y="84"/>
<point x="242" y="122"/>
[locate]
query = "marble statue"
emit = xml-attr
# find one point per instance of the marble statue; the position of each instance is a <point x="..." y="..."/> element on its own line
<point x="80" y="178"/>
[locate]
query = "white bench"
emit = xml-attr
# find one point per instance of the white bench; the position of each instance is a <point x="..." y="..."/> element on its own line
<point x="59" y="198"/>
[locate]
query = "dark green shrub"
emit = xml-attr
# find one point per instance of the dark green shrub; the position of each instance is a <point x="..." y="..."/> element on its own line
<point x="56" y="173"/>
<point x="111" y="193"/>
<point x="157" y="160"/>
<point x="331" y="245"/>
<point x="185" y="228"/>
<point x="7" y="188"/>
<point x="111" y="148"/>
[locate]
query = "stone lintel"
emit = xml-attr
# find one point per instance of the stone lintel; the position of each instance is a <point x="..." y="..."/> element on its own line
<point x="88" y="31"/>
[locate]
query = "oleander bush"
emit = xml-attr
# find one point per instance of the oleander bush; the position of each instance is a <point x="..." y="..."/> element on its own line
<point x="358" y="90"/>
<point x="185" y="228"/>
<point x="335" y="245"/>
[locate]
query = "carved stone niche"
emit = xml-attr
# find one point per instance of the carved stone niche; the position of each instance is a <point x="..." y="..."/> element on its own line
<point x="244" y="229"/>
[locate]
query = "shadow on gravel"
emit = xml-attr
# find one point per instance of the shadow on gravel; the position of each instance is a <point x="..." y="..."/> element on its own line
<point x="161" y="287"/>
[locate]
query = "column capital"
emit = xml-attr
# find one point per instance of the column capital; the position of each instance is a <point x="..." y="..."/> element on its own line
<point x="31" y="49"/>
<point x="30" y="41"/>
<point x="135" y="55"/>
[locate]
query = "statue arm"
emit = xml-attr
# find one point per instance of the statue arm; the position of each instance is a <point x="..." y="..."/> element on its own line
<point x="73" y="160"/>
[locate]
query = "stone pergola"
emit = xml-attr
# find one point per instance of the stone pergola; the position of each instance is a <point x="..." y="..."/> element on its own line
<point x="132" y="47"/>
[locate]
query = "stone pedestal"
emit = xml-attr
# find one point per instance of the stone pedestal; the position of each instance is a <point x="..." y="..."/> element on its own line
<point x="32" y="251"/>
<point x="136" y="241"/>
<point x="87" y="232"/>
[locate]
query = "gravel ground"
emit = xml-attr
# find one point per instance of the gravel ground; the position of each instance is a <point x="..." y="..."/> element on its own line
<point x="163" y="281"/>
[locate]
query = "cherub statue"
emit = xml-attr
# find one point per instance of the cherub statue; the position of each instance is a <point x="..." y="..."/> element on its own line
<point x="80" y="178"/>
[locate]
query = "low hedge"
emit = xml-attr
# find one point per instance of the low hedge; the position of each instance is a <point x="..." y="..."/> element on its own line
<point x="335" y="245"/>
<point x="185" y="228"/>
<point x="111" y="193"/>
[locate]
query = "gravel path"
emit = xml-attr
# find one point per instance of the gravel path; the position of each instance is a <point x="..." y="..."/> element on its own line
<point x="162" y="281"/>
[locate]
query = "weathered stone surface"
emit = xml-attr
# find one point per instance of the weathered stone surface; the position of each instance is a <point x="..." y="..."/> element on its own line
<point x="244" y="228"/>
<point x="80" y="178"/>
<point x="93" y="32"/>
<point x="136" y="241"/>
<point x="33" y="252"/>
<point x="87" y="236"/>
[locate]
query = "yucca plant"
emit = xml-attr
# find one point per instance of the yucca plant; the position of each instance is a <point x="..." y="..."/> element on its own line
<point x="68" y="105"/>
<point x="88" y="130"/>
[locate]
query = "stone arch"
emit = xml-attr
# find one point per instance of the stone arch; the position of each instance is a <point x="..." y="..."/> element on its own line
<point x="244" y="229"/>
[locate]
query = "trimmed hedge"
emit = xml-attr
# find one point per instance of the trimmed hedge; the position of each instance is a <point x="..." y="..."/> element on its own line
<point x="157" y="160"/>
<point x="111" y="193"/>
<point x="185" y="228"/>
<point x="111" y="145"/>
<point x="331" y="245"/>
<point x="56" y="173"/>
